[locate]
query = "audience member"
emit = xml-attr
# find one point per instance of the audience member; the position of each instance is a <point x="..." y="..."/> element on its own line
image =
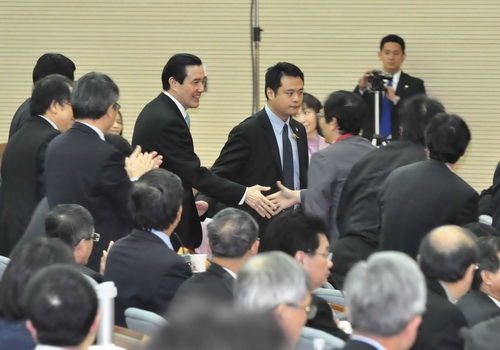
<point x="483" y="300"/>
<point x="81" y="168"/>
<point x="358" y="215"/>
<point x="143" y="265"/>
<point x="26" y="261"/>
<point x="22" y="171"/>
<point x="308" y="116"/>
<point x="480" y="229"/>
<point x="275" y="281"/>
<point x="61" y="307"/>
<point x="409" y="206"/>
<point x="117" y="127"/>
<point x="233" y="238"/>
<point x="447" y="257"/>
<point x="385" y="299"/>
<point x="47" y="64"/>
<point x="483" y="336"/>
<point x="402" y="86"/>
<point x="303" y="237"/>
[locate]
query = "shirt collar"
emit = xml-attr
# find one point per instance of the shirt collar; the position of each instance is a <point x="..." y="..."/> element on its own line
<point x="395" y="79"/>
<point x="96" y="129"/>
<point x="49" y="121"/>
<point x="276" y="121"/>
<point x="497" y="302"/>
<point x="366" y="340"/>
<point x="164" y="237"/>
<point x="448" y="294"/>
<point x="233" y="275"/>
<point x="178" y="104"/>
<point x="47" y="347"/>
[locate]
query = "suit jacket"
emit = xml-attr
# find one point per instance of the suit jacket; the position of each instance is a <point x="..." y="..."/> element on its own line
<point x="251" y="156"/>
<point x="441" y="322"/>
<point x="358" y="214"/>
<point x="23" y="179"/>
<point x="477" y="307"/>
<point x="328" y="171"/>
<point x="215" y="283"/>
<point x="419" y="197"/>
<point x="83" y="169"/>
<point x="161" y="127"/>
<point x="324" y="319"/>
<point x="357" y="345"/>
<point x="146" y="273"/>
<point x="407" y="86"/>
<point x="22" y="115"/>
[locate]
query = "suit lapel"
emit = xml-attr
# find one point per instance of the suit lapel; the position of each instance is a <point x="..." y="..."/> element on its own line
<point x="403" y="85"/>
<point x="218" y="270"/>
<point x="170" y="104"/>
<point x="301" y="138"/>
<point x="271" y="139"/>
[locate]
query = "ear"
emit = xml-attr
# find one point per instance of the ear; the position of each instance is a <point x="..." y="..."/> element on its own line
<point x="31" y="329"/>
<point x="486" y="277"/>
<point x="54" y="107"/>
<point x="280" y="312"/>
<point x="172" y="83"/>
<point x="270" y="93"/>
<point x="254" y="249"/>
<point x="78" y="251"/>
<point x="97" y="321"/>
<point x="178" y="216"/>
<point x="411" y="328"/>
<point x="300" y="256"/>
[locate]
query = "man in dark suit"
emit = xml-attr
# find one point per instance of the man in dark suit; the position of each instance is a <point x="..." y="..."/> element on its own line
<point x="448" y="257"/>
<point x="483" y="300"/>
<point x="385" y="299"/>
<point x="392" y="54"/>
<point x="82" y="168"/>
<point x="23" y="161"/>
<point x="49" y="63"/>
<point x="419" y="197"/>
<point x="233" y="238"/>
<point x="143" y="265"/>
<point x="163" y="125"/>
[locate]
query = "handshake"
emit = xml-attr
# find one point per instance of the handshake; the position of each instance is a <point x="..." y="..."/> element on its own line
<point x="268" y="206"/>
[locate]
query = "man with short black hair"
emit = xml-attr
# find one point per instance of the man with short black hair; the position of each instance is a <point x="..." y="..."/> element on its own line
<point x="61" y="307"/>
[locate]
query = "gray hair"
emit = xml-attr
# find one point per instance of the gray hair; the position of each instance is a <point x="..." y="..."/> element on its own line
<point x="270" y="279"/>
<point x="384" y="293"/>
<point x="231" y="233"/>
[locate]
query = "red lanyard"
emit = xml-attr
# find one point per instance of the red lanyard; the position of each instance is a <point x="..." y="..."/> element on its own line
<point x="343" y="137"/>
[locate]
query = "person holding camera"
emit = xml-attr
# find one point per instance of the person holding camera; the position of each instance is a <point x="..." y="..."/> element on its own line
<point x="397" y="86"/>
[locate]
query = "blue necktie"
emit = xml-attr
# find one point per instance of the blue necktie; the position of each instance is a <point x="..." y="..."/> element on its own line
<point x="287" y="160"/>
<point x="385" y="118"/>
<point x="188" y="120"/>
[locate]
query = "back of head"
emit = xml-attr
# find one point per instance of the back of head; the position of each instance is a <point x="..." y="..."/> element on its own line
<point x="348" y="109"/>
<point x="446" y="253"/>
<point x="415" y="113"/>
<point x="393" y="38"/>
<point x="489" y="250"/>
<point x="52" y="88"/>
<point x="447" y="137"/>
<point x="94" y="93"/>
<point x="176" y="68"/>
<point x="480" y="229"/>
<point x="291" y="232"/>
<point x="270" y="279"/>
<point x="384" y="294"/>
<point x="155" y="200"/>
<point x="70" y="223"/>
<point x="483" y="336"/>
<point x="26" y="260"/>
<point x="311" y="102"/>
<point x="231" y="233"/>
<point x="53" y="63"/>
<point x="61" y="305"/>
<point x="278" y="71"/>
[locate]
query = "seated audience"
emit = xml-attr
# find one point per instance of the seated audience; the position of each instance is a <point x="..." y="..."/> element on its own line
<point x="480" y="229"/>
<point x="308" y="116"/>
<point x="26" y="260"/>
<point x="233" y="238"/>
<point x="483" y="336"/>
<point x="61" y="307"/>
<point x="358" y="215"/>
<point x="483" y="300"/>
<point x="385" y="299"/>
<point x="274" y="281"/>
<point x="409" y="206"/>
<point x="447" y="257"/>
<point x="143" y="265"/>
<point x="303" y="237"/>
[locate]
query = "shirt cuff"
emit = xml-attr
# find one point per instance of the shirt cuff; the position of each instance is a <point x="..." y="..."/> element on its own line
<point x="244" y="197"/>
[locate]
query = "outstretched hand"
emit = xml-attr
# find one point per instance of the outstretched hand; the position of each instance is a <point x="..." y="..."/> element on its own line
<point x="284" y="198"/>
<point x="257" y="201"/>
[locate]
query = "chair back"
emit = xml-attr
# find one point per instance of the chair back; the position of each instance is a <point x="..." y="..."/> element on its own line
<point x="143" y="321"/>
<point x="4" y="261"/>
<point x="310" y="336"/>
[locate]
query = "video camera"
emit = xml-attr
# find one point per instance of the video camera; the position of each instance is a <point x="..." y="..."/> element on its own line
<point x="376" y="80"/>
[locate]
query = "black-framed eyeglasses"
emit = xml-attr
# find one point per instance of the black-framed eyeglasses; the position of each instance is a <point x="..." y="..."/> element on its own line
<point x="117" y="106"/>
<point x="95" y="237"/>
<point x="311" y="310"/>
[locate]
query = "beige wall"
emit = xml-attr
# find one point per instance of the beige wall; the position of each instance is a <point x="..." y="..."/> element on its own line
<point x="453" y="45"/>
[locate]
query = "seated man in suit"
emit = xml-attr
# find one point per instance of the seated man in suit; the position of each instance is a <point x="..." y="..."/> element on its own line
<point x="303" y="237"/>
<point x="448" y="258"/>
<point x="483" y="336"/>
<point x="61" y="307"/>
<point x="483" y="300"/>
<point x="275" y="281"/>
<point x="409" y="204"/>
<point x="23" y="167"/>
<point x="385" y="300"/>
<point x="143" y="265"/>
<point x="392" y="55"/>
<point x="233" y="239"/>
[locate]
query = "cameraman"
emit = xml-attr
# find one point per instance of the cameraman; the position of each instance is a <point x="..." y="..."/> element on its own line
<point x="402" y="86"/>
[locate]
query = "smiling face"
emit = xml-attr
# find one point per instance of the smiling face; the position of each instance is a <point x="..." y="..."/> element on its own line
<point x="288" y="99"/>
<point x="307" y="117"/>
<point x="189" y="92"/>
<point x="392" y="57"/>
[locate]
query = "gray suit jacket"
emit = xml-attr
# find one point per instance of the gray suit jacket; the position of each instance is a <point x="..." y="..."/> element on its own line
<point x="477" y="307"/>
<point x="327" y="173"/>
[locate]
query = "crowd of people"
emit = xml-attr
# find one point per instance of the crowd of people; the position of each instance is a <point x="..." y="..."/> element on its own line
<point x="304" y="198"/>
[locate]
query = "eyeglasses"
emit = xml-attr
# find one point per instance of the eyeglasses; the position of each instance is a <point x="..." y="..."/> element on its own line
<point x="117" y="106"/>
<point x="311" y="310"/>
<point x="327" y="256"/>
<point x="95" y="237"/>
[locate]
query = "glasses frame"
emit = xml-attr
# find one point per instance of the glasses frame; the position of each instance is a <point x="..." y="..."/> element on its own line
<point x="311" y="309"/>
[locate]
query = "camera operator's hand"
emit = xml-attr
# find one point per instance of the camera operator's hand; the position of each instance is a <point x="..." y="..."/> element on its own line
<point x="363" y="82"/>
<point x="391" y="94"/>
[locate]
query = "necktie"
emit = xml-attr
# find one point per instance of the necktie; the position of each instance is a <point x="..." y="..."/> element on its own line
<point x="385" y="118"/>
<point x="287" y="160"/>
<point x="188" y="120"/>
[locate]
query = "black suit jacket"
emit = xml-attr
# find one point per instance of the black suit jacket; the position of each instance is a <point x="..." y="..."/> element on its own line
<point x="251" y="156"/>
<point x="22" y="179"/>
<point x="441" y="322"/>
<point x="419" y="197"/>
<point x="357" y="345"/>
<point x="407" y="86"/>
<point x="477" y="307"/>
<point x="146" y="273"/>
<point x="83" y="169"/>
<point x="22" y="115"/>
<point x="161" y="127"/>
<point x="324" y="319"/>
